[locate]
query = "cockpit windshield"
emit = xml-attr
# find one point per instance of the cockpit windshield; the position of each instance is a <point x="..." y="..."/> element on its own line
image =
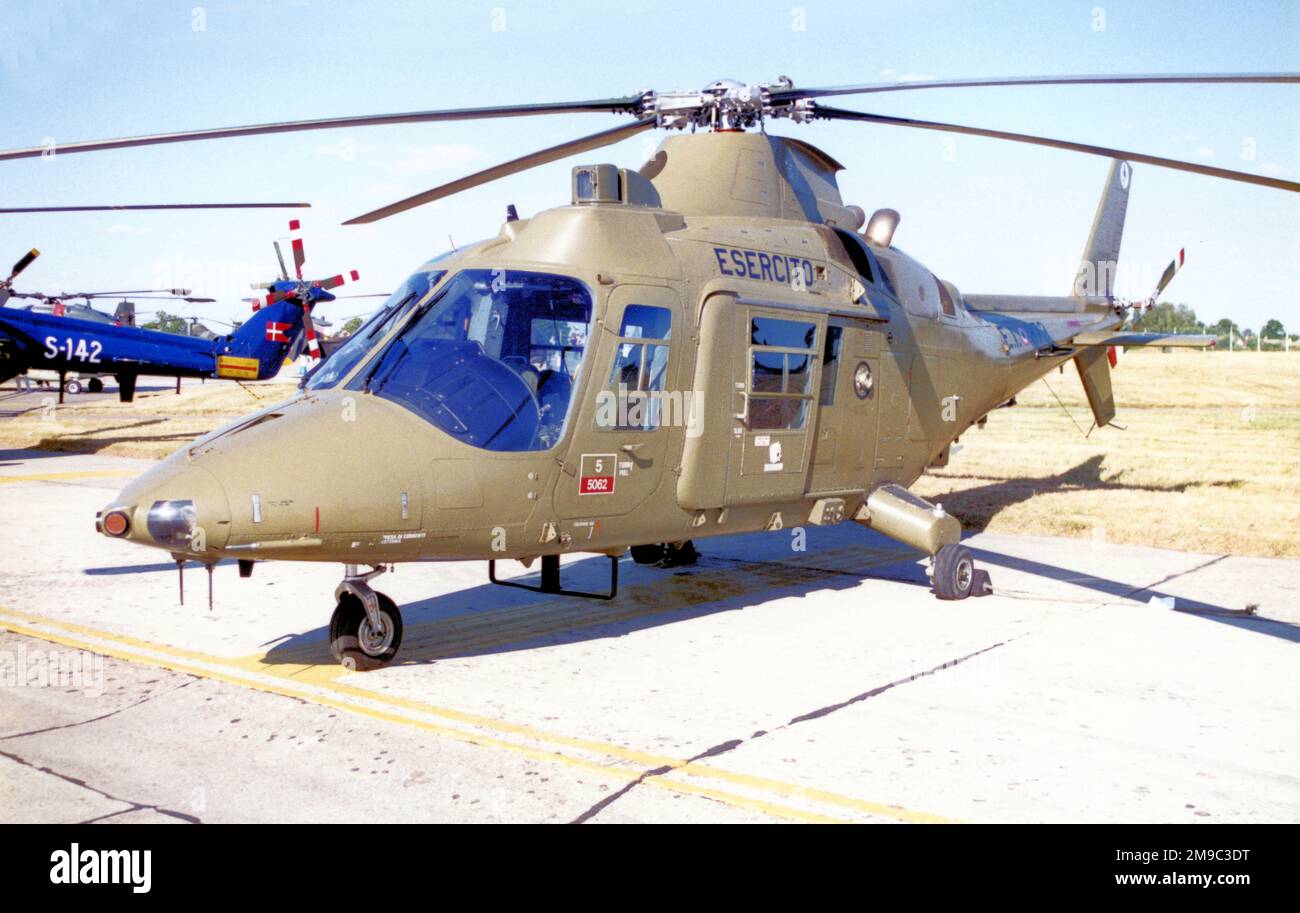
<point x="493" y="360"/>
<point x="341" y="361"/>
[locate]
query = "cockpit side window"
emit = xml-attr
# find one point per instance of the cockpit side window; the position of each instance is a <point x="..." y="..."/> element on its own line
<point x="493" y="361"/>
<point x="640" y="368"/>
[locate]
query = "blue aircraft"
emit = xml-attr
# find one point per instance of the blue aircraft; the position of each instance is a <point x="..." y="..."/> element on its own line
<point x="254" y="351"/>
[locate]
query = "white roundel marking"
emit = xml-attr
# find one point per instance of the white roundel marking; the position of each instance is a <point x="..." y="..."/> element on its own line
<point x="1125" y="172"/>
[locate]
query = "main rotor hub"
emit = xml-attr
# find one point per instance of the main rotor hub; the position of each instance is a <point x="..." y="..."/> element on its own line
<point x="724" y="104"/>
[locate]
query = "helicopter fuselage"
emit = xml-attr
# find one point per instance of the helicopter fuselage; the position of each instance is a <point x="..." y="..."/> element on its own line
<point x="719" y="374"/>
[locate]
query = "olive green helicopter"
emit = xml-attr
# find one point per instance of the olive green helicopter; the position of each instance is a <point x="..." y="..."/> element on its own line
<point x="712" y="343"/>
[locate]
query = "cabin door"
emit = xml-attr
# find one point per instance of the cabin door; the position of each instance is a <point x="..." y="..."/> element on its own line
<point x="844" y="444"/>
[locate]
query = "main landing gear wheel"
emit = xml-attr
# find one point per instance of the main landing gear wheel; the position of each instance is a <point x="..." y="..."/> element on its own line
<point x="95" y="385"/>
<point x="72" y="387"/>
<point x="665" y="554"/>
<point x="953" y="572"/>
<point x="358" y="645"/>
<point x="648" y="554"/>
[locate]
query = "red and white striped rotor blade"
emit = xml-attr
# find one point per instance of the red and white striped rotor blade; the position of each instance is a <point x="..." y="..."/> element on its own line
<point x="295" y="239"/>
<point x="340" y="279"/>
<point x="275" y="298"/>
<point x="1170" y="271"/>
<point x="309" y="332"/>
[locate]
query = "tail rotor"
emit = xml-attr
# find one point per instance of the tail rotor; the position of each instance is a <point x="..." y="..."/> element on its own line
<point x="307" y="293"/>
<point x="1135" y="308"/>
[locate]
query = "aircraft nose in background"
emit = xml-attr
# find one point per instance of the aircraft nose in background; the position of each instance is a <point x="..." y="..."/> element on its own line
<point x="176" y="506"/>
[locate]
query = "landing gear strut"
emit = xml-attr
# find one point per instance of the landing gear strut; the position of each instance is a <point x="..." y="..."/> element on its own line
<point x="366" y="628"/>
<point x="550" y="582"/>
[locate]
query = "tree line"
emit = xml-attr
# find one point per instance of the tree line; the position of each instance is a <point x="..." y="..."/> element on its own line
<point x="1166" y="317"/>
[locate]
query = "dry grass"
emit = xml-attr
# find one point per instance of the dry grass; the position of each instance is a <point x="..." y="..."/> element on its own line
<point x="1210" y="460"/>
<point x="157" y="423"/>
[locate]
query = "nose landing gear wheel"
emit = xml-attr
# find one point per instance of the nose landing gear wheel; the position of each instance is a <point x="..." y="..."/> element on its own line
<point x="355" y="643"/>
<point x="953" y="572"/>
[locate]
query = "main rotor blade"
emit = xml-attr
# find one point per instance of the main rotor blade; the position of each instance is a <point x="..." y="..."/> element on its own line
<point x="1242" y="176"/>
<point x="157" y="206"/>
<point x="514" y="166"/>
<point x="781" y="95"/>
<point x="624" y="105"/>
<point x="187" y="299"/>
<point x="132" y="292"/>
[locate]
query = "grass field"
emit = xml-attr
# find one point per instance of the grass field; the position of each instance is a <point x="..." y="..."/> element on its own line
<point x="1209" y="460"/>
<point x="158" y="422"/>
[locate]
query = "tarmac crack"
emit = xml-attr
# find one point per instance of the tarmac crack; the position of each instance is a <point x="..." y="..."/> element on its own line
<point x="732" y="744"/>
<point x="875" y="692"/>
<point x="132" y="806"/>
<point x="1168" y="577"/>
<point x="103" y="716"/>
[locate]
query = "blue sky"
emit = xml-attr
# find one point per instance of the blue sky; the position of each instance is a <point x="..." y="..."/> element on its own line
<point x="991" y="216"/>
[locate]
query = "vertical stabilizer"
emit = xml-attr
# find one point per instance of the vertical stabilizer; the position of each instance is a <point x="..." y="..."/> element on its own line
<point x="1096" y="276"/>
<point x="256" y="350"/>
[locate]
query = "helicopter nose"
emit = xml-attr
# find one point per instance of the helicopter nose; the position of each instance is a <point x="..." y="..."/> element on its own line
<point x="175" y="506"/>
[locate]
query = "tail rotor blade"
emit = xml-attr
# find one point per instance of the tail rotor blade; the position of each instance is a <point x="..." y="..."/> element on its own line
<point x="279" y="255"/>
<point x="309" y="332"/>
<point x="340" y="279"/>
<point x="276" y="298"/>
<point x="1174" y="266"/>
<point x="295" y="239"/>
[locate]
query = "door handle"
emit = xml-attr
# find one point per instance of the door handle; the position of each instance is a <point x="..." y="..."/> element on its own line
<point x="743" y="415"/>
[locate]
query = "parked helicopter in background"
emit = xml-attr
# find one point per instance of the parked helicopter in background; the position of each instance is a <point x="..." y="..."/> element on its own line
<point x="65" y="305"/>
<point x="65" y="341"/>
<point x="710" y="344"/>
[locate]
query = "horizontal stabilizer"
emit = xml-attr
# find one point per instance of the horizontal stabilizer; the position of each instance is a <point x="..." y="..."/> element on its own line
<point x="1134" y="340"/>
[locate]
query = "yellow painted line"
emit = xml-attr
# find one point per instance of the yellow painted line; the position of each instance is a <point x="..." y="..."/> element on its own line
<point x="738" y="801"/>
<point x="67" y="476"/>
<point x="494" y="628"/>
<point x="326" y="675"/>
